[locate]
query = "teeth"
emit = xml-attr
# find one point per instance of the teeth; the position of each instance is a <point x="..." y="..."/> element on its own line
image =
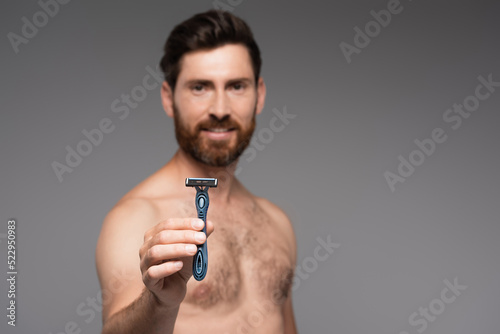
<point x="218" y="130"/>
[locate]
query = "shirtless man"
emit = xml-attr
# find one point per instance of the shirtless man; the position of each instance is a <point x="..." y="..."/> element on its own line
<point x="213" y="92"/>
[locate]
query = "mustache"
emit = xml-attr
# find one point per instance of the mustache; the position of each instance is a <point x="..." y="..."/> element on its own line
<point x="213" y="122"/>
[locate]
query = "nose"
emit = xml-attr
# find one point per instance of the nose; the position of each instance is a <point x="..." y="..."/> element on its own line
<point x="220" y="107"/>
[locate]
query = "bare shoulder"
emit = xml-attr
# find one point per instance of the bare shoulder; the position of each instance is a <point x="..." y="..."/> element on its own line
<point x="123" y="229"/>
<point x="281" y="219"/>
<point x="137" y="209"/>
<point x="272" y="209"/>
<point x="129" y="214"/>
<point x="124" y="224"/>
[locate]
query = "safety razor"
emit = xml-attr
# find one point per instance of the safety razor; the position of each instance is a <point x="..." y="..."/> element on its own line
<point x="200" y="259"/>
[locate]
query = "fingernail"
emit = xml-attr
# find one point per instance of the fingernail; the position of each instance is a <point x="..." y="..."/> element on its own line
<point x="191" y="248"/>
<point x="199" y="236"/>
<point x="197" y="223"/>
<point x="178" y="264"/>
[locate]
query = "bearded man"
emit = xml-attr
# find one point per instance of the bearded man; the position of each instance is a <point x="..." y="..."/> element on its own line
<point x="213" y="91"/>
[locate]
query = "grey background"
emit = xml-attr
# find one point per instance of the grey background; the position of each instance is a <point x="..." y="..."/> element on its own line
<point x="325" y="169"/>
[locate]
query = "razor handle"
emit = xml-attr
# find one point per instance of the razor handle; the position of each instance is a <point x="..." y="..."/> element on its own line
<point x="200" y="259"/>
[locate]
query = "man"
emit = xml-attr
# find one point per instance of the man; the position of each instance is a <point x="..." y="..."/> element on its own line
<point x="213" y="91"/>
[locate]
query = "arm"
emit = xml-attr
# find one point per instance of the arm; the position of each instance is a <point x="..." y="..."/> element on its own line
<point x="289" y="235"/>
<point x="143" y="315"/>
<point x="129" y="307"/>
<point x="288" y="316"/>
<point x="146" y="296"/>
<point x="289" y="319"/>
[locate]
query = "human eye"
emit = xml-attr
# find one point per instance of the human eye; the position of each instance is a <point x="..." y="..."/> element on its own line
<point x="197" y="88"/>
<point x="238" y="86"/>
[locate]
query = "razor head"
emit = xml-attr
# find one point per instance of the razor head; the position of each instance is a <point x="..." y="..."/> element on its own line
<point x="200" y="182"/>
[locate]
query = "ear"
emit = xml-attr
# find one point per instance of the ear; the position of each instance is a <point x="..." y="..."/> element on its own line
<point x="261" y="95"/>
<point x="167" y="99"/>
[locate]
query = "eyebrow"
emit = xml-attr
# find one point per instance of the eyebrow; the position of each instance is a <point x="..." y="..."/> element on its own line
<point x="244" y="80"/>
<point x="210" y="82"/>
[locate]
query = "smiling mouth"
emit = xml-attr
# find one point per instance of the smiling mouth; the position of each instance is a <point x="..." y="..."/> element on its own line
<point x="218" y="130"/>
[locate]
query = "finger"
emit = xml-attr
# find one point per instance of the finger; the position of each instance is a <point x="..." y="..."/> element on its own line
<point x="174" y="224"/>
<point x="210" y="227"/>
<point x="155" y="273"/>
<point x="159" y="253"/>
<point x="166" y="237"/>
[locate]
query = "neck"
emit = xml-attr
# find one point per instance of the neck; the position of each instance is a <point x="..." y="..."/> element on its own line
<point x="185" y="166"/>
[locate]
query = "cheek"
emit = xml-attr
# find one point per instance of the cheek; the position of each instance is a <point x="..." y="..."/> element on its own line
<point x="190" y="111"/>
<point x="244" y="108"/>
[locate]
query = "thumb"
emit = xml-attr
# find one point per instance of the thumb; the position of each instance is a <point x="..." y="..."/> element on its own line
<point x="210" y="227"/>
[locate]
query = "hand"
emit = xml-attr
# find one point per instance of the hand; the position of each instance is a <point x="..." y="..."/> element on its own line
<point x="167" y="257"/>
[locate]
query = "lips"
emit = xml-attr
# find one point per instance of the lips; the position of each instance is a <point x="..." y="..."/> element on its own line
<point x="218" y="133"/>
<point x="219" y="130"/>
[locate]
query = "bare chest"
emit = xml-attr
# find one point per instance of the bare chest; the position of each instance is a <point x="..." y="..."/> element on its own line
<point x="248" y="258"/>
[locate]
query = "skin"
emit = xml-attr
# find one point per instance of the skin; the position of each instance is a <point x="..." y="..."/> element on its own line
<point x="251" y="242"/>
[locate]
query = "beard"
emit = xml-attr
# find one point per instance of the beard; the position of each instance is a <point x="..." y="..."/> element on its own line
<point x="215" y="153"/>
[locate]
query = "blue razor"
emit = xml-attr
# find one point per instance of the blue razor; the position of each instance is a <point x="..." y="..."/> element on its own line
<point x="200" y="259"/>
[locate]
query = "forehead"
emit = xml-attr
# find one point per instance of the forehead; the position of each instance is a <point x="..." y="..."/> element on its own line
<point x="222" y="63"/>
